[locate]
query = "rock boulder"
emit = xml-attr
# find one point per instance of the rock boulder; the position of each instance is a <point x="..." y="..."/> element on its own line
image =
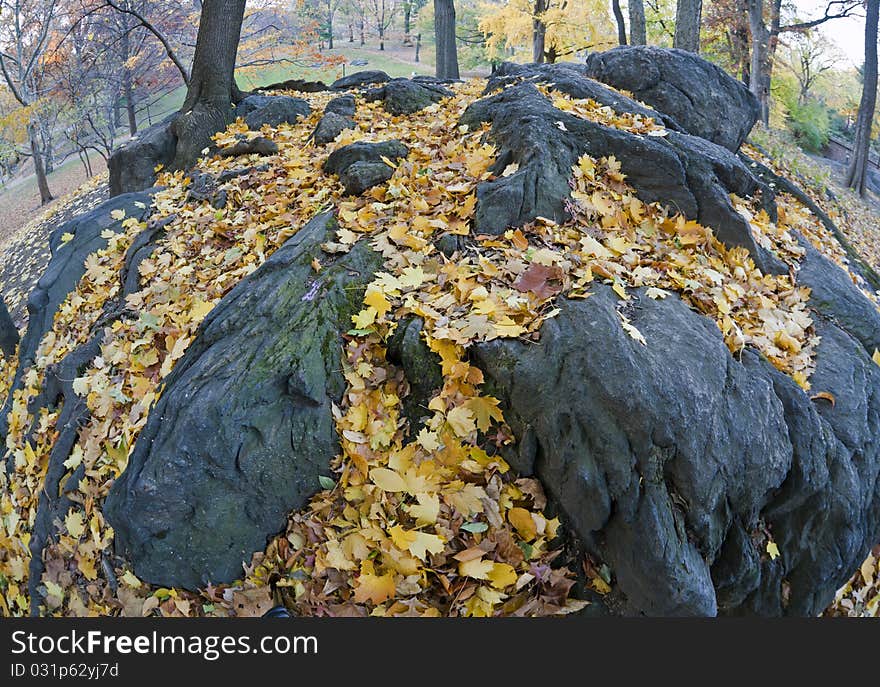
<point x="698" y="95"/>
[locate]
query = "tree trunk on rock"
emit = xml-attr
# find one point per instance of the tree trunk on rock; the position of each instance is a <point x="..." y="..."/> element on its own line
<point x="8" y="332"/>
<point x="444" y="36"/>
<point x="855" y="176"/>
<point x="638" y="33"/>
<point x="687" y="25"/>
<point x="212" y="89"/>
<point x="621" y="23"/>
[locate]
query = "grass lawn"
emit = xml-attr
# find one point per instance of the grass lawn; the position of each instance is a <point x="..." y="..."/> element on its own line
<point x="20" y="200"/>
<point x="388" y="61"/>
<point x="391" y="61"/>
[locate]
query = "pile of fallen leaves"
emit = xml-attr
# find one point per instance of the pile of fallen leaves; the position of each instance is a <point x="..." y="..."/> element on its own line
<point x="428" y="522"/>
<point x="860" y="597"/>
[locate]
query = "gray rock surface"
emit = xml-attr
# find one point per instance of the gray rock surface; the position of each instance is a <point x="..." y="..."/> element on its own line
<point x="243" y="428"/>
<point x="675" y="463"/>
<point x="296" y="85"/>
<point x="360" y="79"/>
<point x="403" y="96"/>
<point x="698" y="95"/>
<point x="687" y="173"/>
<point x="331" y="125"/>
<point x="260" y="110"/>
<point x="360" y="165"/>
<point x="672" y="460"/>
<point x="343" y="105"/>
<point x="573" y="80"/>
<point x="8" y="331"/>
<point x="132" y="166"/>
<point x="64" y="272"/>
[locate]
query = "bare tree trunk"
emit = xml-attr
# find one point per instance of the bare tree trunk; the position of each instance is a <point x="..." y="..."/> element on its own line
<point x="350" y="32"/>
<point x="418" y="46"/>
<point x="621" y="24"/>
<point x="444" y="36"/>
<point x="539" y="31"/>
<point x="330" y="30"/>
<point x="759" y="72"/>
<point x="688" y="14"/>
<point x="8" y="332"/>
<point x="130" y="105"/>
<point x="39" y="168"/>
<point x="127" y="89"/>
<point x="407" y="20"/>
<point x="638" y="34"/>
<point x="212" y="90"/>
<point x="858" y="167"/>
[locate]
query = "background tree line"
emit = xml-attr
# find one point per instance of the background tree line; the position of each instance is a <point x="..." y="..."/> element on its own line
<point x="77" y="76"/>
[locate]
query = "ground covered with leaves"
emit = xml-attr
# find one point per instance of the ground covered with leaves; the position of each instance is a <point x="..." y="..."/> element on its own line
<point x="24" y="253"/>
<point x="416" y="521"/>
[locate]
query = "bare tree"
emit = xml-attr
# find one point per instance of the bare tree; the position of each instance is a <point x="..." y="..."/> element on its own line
<point x="25" y="32"/>
<point x="621" y="24"/>
<point x="444" y="33"/>
<point x="809" y="57"/>
<point x="765" y="40"/>
<point x="855" y="175"/>
<point x="382" y="13"/>
<point x="688" y="14"/>
<point x="128" y="8"/>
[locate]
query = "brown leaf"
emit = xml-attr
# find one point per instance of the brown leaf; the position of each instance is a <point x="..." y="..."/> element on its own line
<point x="545" y="282"/>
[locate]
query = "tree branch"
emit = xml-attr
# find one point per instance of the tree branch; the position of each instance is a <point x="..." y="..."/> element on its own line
<point x="158" y="34"/>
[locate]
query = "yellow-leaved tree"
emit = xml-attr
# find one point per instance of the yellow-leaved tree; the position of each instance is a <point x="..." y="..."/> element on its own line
<point x="553" y="29"/>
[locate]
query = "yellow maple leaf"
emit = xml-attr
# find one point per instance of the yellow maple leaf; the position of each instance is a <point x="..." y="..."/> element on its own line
<point x="426" y="543"/>
<point x="876" y="356"/>
<point x="376" y="299"/>
<point x="87" y="567"/>
<point x="485" y="409"/>
<point x="502" y="575"/>
<point x="387" y="480"/>
<point x="522" y="520"/>
<point x="772" y="550"/>
<point x="365" y="318"/>
<point x="461" y="419"/>
<point x="427" y="510"/>
<point x="131" y="580"/>
<point x="373" y="588"/>
<point x="200" y="309"/>
<point x="477" y="569"/>
<point x="428" y="440"/>
<point x="74" y="524"/>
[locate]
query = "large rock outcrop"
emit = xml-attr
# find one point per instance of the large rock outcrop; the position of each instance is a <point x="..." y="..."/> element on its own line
<point x="670" y="459"/>
<point x="675" y="462"/>
<point x="687" y="173"/>
<point x="244" y="428"/>
<point x="66" y="268"/>
<point x="697" y="95"/>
